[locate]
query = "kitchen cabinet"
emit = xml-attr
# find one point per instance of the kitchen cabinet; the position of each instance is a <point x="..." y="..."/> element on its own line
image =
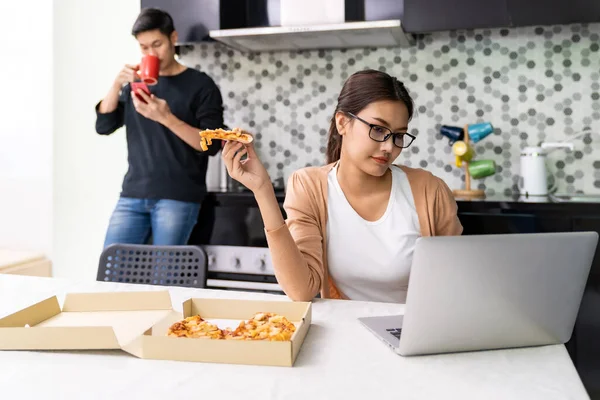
<point x="503" y="222"/>
<point x="441" y="15"/>
<point x="590" y="223"/>
<point x="552" y="12"/>
<point x="374" y="10"/>
<point x="421" y="16"/>
<point x="586" y="341"/>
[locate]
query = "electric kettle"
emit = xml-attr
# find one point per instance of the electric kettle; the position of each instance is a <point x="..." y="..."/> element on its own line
<point x="534" y="170"/>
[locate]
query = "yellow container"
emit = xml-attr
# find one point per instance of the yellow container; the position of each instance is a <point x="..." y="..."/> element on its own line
<point x="463" y="152"/>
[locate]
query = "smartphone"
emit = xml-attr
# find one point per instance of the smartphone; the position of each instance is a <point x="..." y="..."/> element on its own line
<point x="140" y="85"/>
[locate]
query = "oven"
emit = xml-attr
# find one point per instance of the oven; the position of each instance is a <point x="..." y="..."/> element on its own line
<point x="231" y="231"/>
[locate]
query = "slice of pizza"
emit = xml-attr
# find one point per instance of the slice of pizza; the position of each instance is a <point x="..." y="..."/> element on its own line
<point x="264" y="326"/>
<point x="195" y="327"/>
<point x="236" y="134"/>
<point x="199" y="328"/>
<point x="178" y="329"/>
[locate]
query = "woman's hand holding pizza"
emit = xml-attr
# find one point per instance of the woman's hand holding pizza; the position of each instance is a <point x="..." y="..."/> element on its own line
<point x="250" y="171"/>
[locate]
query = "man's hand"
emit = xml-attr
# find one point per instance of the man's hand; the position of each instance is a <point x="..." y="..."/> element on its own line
<point x="111" y="100"/>
<point x="154" y="108"/>
<point x="158" y="110"/>
<point x="127" y="74"/>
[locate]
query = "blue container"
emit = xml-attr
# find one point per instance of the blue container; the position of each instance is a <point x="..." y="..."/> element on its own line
<point x="478" y="132"/>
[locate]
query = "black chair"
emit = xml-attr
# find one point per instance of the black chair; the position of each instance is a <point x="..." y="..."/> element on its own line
<point x="154" y="265"/>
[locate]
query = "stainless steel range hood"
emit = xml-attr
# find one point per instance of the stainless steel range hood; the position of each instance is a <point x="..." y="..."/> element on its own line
<point x="309" y="37"/>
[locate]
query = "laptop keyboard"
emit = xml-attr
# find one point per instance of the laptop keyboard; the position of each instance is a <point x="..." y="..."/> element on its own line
<point x="395" y="331"/>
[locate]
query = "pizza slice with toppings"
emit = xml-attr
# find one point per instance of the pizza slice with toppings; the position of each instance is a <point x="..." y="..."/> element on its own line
<point x="195" y="327"/>
<point x="237" y="134"/>
<point x="264" y="326"/>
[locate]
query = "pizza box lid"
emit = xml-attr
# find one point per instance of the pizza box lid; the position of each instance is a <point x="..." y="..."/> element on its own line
<point x="87" y="321"/>
<point x="154" y="344"/>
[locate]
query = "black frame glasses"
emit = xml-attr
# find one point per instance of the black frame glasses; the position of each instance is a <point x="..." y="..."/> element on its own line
<point x="380" y="134"/>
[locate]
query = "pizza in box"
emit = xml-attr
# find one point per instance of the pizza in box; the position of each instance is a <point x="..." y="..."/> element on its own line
<point x="262" y="326"/>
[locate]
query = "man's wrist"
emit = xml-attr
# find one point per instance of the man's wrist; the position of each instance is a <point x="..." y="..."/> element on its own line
<point x="170" y="122"/>
<point x="117" y="86"/>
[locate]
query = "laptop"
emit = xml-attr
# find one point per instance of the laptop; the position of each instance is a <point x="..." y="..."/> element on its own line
<point x="485" y="292"/>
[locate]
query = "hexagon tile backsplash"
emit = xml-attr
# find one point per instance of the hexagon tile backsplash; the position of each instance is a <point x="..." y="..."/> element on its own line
<point x="532" y="84"/>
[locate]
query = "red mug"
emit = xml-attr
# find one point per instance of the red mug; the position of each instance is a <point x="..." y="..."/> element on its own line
<point x="149" y="69"/>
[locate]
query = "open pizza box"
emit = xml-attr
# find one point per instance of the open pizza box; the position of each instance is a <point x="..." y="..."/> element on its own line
<point x="137" y="322"/>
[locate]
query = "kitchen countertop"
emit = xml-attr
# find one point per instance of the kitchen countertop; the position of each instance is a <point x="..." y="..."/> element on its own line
<point x="520" y="203"/>
<point x="245" y="196"/>
<point x="495" y="201"/>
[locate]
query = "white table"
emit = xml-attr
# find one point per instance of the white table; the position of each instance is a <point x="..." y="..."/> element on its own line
<point x="339" y="359"/>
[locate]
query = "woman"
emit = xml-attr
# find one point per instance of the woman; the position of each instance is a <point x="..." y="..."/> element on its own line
<point x="352" y="225"/>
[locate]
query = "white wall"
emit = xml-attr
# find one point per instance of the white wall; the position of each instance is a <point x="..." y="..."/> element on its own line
<point x="26" y="125"/>
<point x="92" y="42"/>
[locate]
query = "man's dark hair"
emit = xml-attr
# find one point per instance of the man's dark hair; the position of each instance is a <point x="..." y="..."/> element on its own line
<point x="151" y="19"/>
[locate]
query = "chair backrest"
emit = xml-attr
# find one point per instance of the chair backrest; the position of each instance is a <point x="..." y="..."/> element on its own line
<point x="154" y="265"/>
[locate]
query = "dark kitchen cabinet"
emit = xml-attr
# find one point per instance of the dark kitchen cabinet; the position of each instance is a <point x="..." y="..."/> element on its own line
<point x="551" y="12"/>
<point x="195" y="18"/>
<point x="474" y="223"/>
<point x="587" y="339"/>
<point x="590" y="223"/>
<point x="441" y="15"/>
<point x="422" y="16"/>
<point x="512" y="221"/>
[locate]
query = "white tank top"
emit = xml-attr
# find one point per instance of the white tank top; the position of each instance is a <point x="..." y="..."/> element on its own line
<point x="371" y="260"/>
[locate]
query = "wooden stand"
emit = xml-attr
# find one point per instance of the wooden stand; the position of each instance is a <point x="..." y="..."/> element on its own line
<point x="467" y="192"/>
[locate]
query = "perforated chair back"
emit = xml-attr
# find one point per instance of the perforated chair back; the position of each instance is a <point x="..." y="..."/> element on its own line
<point x="154" y="265"/>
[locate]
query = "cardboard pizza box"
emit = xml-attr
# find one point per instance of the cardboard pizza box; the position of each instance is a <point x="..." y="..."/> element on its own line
<point x="138" y="322"/>
<point x="87" y="321"/>
<point x="225" y="313"/>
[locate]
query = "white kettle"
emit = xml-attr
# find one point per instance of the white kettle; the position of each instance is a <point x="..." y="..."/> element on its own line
<point x="534" y="171"/>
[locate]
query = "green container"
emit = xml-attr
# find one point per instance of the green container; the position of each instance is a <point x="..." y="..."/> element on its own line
<point x="482" y="168"/>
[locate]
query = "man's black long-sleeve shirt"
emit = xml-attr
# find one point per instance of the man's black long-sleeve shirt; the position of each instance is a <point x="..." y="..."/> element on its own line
<point x="161" y="165"/>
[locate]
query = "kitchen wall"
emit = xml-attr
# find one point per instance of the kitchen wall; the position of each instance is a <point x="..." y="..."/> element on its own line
<point x="26" y="128"/>
<point x="92" y="42"/>
<point x="532" y="84"/>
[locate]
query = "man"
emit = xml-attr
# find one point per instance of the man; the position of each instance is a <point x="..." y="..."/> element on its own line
<point x="166" y="179"/>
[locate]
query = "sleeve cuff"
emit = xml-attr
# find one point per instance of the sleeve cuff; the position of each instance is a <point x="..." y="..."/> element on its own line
<point x="274" y="232"/>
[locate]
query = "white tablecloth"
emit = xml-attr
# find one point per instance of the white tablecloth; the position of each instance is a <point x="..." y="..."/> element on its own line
<point x="339" y="360"/>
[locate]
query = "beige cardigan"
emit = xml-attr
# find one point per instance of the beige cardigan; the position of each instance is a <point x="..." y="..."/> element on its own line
<point x="299" y="249"/>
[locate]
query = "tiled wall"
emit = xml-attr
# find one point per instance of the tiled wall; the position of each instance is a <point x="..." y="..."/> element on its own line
<point x="532" y="84"/>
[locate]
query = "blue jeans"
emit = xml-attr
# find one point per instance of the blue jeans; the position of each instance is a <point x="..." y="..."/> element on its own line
<point x="170" y="222"/>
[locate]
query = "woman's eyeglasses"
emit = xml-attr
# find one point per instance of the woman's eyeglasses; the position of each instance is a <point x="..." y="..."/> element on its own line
<point x="381" y="134"/>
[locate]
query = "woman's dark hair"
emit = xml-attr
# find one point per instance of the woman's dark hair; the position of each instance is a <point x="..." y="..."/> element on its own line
<point x="151" y="19"/>
<point x="360" y="90"/>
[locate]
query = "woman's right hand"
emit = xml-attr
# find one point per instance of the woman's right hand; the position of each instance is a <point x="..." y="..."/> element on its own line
<point x="249" y="172"/>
